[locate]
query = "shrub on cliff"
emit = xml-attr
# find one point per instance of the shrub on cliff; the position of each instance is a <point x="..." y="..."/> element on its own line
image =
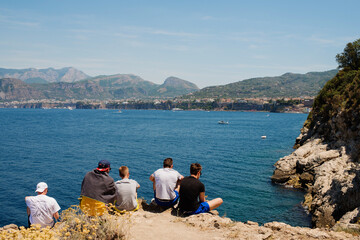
<point x="75" y="225"/>
<point x="336" y="110"/>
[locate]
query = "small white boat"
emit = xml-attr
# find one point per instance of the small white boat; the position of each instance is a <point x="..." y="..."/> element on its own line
<point x="263" y="137"/>
<point x="223" y="122"/>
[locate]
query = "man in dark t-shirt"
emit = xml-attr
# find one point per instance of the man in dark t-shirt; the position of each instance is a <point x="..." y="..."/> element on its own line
<point x="192" y="193"/>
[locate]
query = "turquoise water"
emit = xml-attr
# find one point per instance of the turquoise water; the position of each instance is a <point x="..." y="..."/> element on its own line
<point x="59" y="146"/>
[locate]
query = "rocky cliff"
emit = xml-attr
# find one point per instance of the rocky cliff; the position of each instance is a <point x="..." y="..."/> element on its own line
<point x="326" y="159"/>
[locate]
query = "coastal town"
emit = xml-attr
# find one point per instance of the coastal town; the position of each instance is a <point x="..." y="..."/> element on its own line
<point x="284" y="105"/>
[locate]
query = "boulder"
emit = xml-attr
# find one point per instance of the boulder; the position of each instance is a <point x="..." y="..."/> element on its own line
<point x="306" y="177"/>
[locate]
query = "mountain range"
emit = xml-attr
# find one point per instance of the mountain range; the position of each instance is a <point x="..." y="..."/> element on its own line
<point x="70" y="83"/>
<point x="286" y="85"/>
<point x="48" y="75"/>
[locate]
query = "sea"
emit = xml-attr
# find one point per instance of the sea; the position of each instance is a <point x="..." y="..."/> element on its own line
<point x="59" y="146"/>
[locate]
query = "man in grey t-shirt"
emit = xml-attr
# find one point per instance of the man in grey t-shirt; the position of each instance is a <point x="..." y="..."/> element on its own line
<point x="126" y="191"/>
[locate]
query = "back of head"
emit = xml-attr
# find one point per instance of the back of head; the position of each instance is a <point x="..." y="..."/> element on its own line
<point x="168" y="162"/>
<point x="123" y="171"/>
<point x="195" y="168"/>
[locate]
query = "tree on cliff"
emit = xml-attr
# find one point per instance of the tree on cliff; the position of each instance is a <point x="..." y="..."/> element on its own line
<point x="350" y="58"/>
<point x="336" y="110"/>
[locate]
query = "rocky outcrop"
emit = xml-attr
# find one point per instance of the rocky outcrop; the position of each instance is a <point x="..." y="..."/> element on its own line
<point x="330" y="177"/>
<point x="326" y="161"/>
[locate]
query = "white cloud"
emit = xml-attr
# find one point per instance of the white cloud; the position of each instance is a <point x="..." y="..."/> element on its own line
<point x="170" y="33"/>
<point x="331" y="41"/>
<point x="260" y="57"/>
<point x="253" y="46"/>
<point x="206" y="18"/>
<point x="11" y="22"/>
<point x="320" y="40"/>
<point x="124" y="35"/>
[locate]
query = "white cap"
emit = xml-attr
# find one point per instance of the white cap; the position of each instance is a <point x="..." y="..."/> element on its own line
<point x="41" y="186"/>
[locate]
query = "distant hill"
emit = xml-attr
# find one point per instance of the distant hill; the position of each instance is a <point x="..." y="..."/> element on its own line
<point x="287" y="85"/>
<point x="125" y="86"/>
<point x="174" y="86"/>
<point x="15" y="89"/>
<point x="48" y="75"/>
<point x="119" y="86"/>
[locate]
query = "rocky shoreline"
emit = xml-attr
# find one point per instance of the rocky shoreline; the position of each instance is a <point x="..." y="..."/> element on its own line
<point x="329" y="175"/>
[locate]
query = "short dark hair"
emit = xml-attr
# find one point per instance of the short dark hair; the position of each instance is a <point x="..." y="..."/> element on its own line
<point x="168" y="162"/>
<point x="195" y="168"/>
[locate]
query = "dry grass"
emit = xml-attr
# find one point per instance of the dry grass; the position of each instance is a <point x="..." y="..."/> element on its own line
<point x="74" y="224"/>
<point x="353" y="229"/>
<point x="35" y="232"/>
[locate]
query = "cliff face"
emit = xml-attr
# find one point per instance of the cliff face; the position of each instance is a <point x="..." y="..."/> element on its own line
<point x="326" y="161"/>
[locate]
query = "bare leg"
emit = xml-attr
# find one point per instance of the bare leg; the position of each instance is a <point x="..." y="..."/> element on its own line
<point x="215" y="203"/>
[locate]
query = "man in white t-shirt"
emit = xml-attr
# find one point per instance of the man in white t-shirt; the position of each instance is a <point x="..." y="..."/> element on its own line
<point x="126" y="195"/>
<point x="42" y="209"/>
<point x="166" y="184"/>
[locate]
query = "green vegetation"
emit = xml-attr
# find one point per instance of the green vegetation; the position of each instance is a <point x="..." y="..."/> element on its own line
<point x="350" y="58"/>
<point x="127" y="86"/>
<point x="288" y="85"/>
<point x="121" y="86"/>
<point x="336" y="110"/>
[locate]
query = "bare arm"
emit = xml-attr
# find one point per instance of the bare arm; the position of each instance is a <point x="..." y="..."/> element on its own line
<point x="27" y="208"/>
<point x="56" y="215"/>
<point x="152" y="178"/>
<point x="202" y="197"/>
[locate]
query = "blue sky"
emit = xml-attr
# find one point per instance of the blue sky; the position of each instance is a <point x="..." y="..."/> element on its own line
<point x="205" y="42"/>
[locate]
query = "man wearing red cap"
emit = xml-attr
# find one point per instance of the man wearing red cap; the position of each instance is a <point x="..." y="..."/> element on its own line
<point x="97" y="189"/>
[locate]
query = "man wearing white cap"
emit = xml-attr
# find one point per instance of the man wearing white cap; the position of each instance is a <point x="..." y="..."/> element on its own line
<point x="42" y="209"/>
